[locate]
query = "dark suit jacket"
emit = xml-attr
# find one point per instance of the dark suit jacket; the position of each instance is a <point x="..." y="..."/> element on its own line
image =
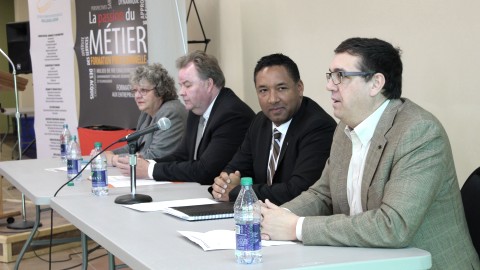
<point x="410" y="193"/>
<point x="224" y="132"/>
<point x="304" y="152"/>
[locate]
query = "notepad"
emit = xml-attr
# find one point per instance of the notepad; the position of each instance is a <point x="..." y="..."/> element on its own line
<point x="202" y="212"/>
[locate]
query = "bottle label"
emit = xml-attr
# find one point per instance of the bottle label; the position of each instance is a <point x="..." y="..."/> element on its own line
<point x="73" y="166"/>
<point x="63" y="149"/>
<point x="248" y="236"/>
<point x="99" y="178"/>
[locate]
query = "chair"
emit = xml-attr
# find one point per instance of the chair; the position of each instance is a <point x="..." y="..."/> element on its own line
<point x="471" y="203"/>
<point x="87" y="136"/>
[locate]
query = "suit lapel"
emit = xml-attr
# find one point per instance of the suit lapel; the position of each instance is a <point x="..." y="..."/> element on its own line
<point x="265" y="143"/>
<point x="291" y="130"/>
<point x="284" y="146"/>
<point x="210" y="122"/>
<point x="148" y="138"/>
<point x="340" y="159"/>
<point x="377" y="147"/>
<point x="144" y="121"/>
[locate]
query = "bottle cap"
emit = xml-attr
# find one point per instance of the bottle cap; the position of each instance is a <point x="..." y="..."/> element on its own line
<point x="70" y="184"/>
<point x="74" y="138"/>
<point x="246" y="181"/>
<point x="97" y="145"/>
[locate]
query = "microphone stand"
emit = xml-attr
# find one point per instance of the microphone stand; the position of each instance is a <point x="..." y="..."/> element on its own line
<point x="24" y="224"/>
<point x="133" y="198"/>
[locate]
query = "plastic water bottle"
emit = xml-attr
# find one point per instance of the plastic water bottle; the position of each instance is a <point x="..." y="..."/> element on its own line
<point x="99" y="171"/>
<point x="64" y="142"/>
<point x="74" y="160"/>
<point x="247" y="225"/>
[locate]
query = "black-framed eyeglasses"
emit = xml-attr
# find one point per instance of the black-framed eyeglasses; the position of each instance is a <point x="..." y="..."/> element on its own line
<point x="337" y="76"/>
<point x="142" y="91"/>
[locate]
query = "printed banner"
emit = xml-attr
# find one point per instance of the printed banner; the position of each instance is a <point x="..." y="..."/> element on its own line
<point x="53" y="75"/>
<point x="111" y="41"/>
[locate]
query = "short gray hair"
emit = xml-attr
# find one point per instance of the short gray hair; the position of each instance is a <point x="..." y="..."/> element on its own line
<point x="157" y="75"/>
<point x="206" y="65"/>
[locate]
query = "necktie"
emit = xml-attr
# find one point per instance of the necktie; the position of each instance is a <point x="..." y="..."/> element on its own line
<point x="272" y="163"/>
<point x="201" y="124"/>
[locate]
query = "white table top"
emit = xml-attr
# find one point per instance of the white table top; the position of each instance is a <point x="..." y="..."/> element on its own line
<point x="39" y="185"/>
<point x="149" y="240"/>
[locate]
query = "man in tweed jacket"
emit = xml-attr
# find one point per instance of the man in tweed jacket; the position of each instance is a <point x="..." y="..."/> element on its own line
<point x="390" y="180"/>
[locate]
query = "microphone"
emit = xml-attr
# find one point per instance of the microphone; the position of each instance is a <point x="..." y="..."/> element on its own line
<point x="163" y="124"/>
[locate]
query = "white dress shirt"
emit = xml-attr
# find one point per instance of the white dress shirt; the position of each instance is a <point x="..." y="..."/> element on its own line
<point x="361" y="137"/>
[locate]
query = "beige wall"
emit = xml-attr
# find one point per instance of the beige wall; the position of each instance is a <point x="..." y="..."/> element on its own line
<point x="439" y="40"/>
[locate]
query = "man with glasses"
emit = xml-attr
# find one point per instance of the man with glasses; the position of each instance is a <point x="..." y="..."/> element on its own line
<point x="390" y="180"/>
<point x="288" y="143"/>
<point x="156" y="96"/>
<point x="216" y="125"/>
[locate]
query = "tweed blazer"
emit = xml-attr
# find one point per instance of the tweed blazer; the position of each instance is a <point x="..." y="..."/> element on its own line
<point x="410" y="194"/>
<point x="161" y="142"/>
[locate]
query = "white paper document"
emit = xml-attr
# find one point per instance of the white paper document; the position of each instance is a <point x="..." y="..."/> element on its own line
<point x="63" y="169"/>
<point x="222" y="239"/>
<point x="161" y="206"/>
<point x="124" y="181"/>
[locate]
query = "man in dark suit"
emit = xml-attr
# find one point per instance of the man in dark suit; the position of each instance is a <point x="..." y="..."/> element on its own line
<point x="216" y="125"/>
<point x="304" y="133"/>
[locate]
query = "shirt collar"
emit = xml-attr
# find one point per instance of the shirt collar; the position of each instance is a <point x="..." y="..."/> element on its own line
<point x="206" y="114"/>
<point x="283" y="128"/>
<point x="367" y="127"/>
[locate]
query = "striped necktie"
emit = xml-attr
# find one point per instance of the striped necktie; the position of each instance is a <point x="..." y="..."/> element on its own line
<point x="272" y="163"/>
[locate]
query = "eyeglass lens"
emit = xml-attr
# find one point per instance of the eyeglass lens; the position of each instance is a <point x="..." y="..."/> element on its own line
<point x="335" y="76"/>
<point x="142" y="91"/>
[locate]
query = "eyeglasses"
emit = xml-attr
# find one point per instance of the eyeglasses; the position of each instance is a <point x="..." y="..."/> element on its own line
<point x="142" y="91"/>
<point x="337" y="76"/>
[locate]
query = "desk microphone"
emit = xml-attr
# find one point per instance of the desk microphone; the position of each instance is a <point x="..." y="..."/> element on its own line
<point x="163" y="124"/>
